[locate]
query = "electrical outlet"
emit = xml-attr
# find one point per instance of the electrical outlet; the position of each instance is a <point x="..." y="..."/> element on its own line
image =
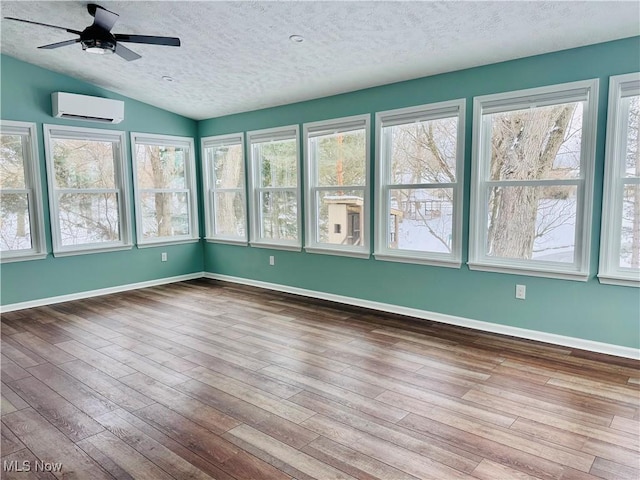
<point x="272" y="260"/>
<point x="164" y="256"/>
<point x="521" y="292"/>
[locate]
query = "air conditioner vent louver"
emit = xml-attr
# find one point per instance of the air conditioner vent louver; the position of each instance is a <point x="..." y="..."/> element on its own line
<point x="83" y="107"/>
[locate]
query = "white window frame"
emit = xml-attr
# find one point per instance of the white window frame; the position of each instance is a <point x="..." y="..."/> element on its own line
<point x="312" y="129"/>
<point x="121" y="189"/>
<point x="404" y="116"/>
<point x="610" y="272"/>
<point x="291" y="132"/>
<point x="210" y="188"/>
<point x="586" y="91"/>
<point x="32" y="188"/>
<point x="190" y="189"/>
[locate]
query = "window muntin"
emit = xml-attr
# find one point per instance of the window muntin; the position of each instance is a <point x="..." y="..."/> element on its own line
<point x="620" y="244"/>
<point x="274" y="187"/>
<point x="225" y="204"/>
<point x="420" y="154"/>
<point x="164" y="180"/>
<point x="21" y="220"/>
<point x="533" y="161"/>
<point x="337" y="165"/>
<point x="87" y="190"/>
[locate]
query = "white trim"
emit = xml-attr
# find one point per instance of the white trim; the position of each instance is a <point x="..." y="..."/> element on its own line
<point x="313" y="130"/>
<point x="572" y="342"/>
<point x="190" y="188"/>
<point x="587" y="91"/>
<point x="33" y="189"/>
<point x="165" y="242"/>
<point x="403" y="116"/>
<point x="609" y="271"/>
<point x="229" y="241"/>
<point x="277" y="134"/>
<point x="99" y="292"/>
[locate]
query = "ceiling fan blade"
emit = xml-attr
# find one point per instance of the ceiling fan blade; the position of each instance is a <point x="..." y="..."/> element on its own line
<point x="60" y="44"/>
<point x="103" y="17"/>
<point x="151" y="39"/>
<point x="44" y="25"/>
<point x="124" y="52"/>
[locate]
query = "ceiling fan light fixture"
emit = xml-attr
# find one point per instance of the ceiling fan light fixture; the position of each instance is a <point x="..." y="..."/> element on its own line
<point x="99" y="47"/>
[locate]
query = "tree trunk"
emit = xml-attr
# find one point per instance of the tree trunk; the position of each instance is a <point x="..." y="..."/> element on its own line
<point x="525" y="146"/>
<point x="163" y="206"/>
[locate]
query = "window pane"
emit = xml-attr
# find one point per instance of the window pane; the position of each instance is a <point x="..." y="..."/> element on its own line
<point x="536" y="223"/>
<point x="278" y="163"/>
<point x="423" y="152"/>
<point x="164" y="214"/>
<point x="15" y="229"/>
<point x="421" y="219"/>
<point x="536" y="143"/>
<point x="83" y="163"/>
<point x="279" y="216"/>
<point x="11" y="162"/>
<point x="633" y="138"/>
<point x="228" y="166"/>
<point x="160" y="166"/>
<point x="341" y="217"/>
<point x="229" y="214"/>
<point x="88" y="218"/>
<point x="630" y="238"/>
<point x="340" y="158"/>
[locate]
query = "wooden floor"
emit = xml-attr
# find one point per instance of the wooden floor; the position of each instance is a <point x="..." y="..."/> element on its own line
<point x="209" y="380"/>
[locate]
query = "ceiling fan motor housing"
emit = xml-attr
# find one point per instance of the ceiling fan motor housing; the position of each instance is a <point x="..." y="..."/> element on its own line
<point x="97" y="40"/>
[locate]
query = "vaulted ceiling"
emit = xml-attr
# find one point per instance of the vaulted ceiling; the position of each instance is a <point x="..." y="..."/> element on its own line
<point x="237" y="55"/>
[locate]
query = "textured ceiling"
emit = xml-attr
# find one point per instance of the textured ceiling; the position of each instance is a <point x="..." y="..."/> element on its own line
<point x="236" y="56"/>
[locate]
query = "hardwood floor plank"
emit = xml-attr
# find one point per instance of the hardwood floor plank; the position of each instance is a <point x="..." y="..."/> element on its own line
<point x="71" y="421"/>
<point x="105" y="385"/>
<point x="161" y="456"/>
<point x="488" y="470"/>
<point x="10" y="443"/>
<point x="125" y="457"/>
<point x="269" y="423"/>
<point x="49" y="352"/>
<point x="191" y="408"/>
<point x="49" y="445"/>
<point x="205" y="379"/>
<point x="297" y="459"/>
<point x="255" y="396"/>
<point x="614" y="471"/>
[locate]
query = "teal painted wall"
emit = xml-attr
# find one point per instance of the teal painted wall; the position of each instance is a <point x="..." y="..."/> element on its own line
<point x="26" y="96"/>
<point x="588" y="310"/>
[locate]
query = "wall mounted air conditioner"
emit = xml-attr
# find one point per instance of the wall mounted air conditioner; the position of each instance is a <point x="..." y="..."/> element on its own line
<point x="84" y="107"/>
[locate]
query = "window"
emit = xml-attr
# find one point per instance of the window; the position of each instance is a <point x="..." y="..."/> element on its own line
<point x="274" y="189"/>
<point x="224" y="184"/>
<point x="337" y="167"/>
<point x="21" y="221"/>
<point x="420" y="160"/>
<point x="533" y="156"/>
<point x="620" y="245"/>
<point x="164" y="179"/>
<point x="87" y="190"/>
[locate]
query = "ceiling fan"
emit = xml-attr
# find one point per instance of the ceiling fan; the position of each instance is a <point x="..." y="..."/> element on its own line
<point x="97" y="37"/>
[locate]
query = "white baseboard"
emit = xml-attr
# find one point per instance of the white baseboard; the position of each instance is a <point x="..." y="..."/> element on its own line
<point x="96" y="293"/>
<point x="572" y="342"/>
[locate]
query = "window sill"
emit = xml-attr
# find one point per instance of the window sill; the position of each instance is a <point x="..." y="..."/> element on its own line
<point x="387" y="257"/>
<point x="276" y="246"/>
<point x="162" y="243"/>
<point x="618" y="280"/>
<point x="229" y="241"/>
<point x="340" y="252"/>
<point x="532" y="272"/>
<point x="22" y="257"/>
<point x="90" y="250"/>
